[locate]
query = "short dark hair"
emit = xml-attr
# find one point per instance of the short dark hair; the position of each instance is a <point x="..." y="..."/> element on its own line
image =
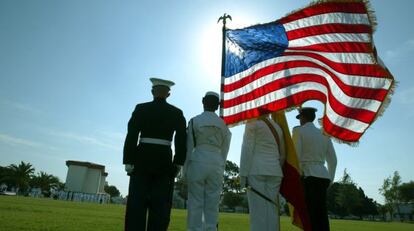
<point x="309" y="115"/>
<point x="211" y="102"/>
<point x="160" y="91"/>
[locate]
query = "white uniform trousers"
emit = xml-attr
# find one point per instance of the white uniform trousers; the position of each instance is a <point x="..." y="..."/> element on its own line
<point x="263" y="214"/>
<point x="205" y="182"/>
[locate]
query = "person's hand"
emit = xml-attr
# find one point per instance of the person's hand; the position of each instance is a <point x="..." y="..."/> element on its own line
<point x="129" y="168"/>
<point x="176" y="170"/>
<point x="243" y="181"/>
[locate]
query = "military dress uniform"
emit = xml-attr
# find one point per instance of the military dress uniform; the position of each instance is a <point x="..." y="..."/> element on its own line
<point x="314" y="149"/>
<point x="208" y="142"/>
<point x="261" y="163"/>
<point x="152" y="126"/>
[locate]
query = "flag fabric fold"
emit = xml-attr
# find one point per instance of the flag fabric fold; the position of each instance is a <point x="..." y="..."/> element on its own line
<point x="291" y="187"/>
<point x="323" y="52"/>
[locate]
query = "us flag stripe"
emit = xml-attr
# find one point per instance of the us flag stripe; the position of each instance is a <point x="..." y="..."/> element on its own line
<point x="337" y="47"/>
<point x="330" y="18"/>
<point x="327" y="7"/>
<point x="326" y="29"/>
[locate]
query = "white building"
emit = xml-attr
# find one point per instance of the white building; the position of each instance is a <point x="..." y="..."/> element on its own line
<point x="85" y="177"/>
<point x="3" y="187"/>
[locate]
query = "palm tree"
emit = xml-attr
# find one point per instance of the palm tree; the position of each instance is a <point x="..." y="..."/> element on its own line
<point x="20" y="175"/>
<point x="45" y="182"/>
<point x="4" y="179"/>
<point x="3" y="174"/>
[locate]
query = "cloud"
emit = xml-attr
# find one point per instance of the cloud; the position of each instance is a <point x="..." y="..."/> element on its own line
<point x="85" y="139"/>
<point x="114" y="136"/>
<point x="20" y="106"/>
<point x="14" y="141"/>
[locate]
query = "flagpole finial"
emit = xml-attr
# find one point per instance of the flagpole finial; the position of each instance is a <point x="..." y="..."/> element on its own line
<point x="224" y="18"/>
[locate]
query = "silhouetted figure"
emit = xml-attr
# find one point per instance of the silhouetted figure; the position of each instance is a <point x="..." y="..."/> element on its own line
<point x="149" y="163"/>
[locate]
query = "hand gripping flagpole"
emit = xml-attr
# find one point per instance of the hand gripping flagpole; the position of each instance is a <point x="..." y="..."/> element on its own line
<point x="223" y="57"/>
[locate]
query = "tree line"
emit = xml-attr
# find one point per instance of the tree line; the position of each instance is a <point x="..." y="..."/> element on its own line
<point x="396" y="194"/>
<point x="22" y="179"/>
<point x="346" y="199"/>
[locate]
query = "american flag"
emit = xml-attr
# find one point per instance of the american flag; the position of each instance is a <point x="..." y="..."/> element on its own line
<point x="323" y="52"/>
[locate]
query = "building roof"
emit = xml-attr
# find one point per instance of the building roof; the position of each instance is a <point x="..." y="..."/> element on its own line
<point x="87" y="164"/>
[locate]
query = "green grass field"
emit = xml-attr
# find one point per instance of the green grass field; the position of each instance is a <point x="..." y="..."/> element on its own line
<point x="29" y="214"/>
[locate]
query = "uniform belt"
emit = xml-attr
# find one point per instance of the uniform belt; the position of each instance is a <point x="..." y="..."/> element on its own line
<point x="155" y="141"/>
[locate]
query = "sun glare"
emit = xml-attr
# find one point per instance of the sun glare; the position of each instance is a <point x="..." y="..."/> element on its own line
<point x="210" y="46"/>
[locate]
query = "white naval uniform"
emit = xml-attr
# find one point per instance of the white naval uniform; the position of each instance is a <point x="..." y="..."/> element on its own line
<point x="313" y="149"/>
<point x="204" y="168"/>
<point x="261" y="163"/>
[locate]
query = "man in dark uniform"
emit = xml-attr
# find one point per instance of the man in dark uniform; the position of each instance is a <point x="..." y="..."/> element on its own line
<point x="150" y="164"/>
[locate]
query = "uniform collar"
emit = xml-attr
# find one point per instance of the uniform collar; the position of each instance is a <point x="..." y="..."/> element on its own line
<point x="209" y="113"/>
<point x="308" y="124"/>
<point x="160" y="100"/>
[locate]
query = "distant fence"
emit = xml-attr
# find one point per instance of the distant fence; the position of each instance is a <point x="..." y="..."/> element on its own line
<point x="100" y="198"/>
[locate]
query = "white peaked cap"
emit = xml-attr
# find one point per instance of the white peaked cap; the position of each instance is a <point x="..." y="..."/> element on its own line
<point x="213" y="93"/>
<point x="161" y="82"/>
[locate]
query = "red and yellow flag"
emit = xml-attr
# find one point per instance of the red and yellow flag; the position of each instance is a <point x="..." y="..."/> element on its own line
<point x="291" y="188"/>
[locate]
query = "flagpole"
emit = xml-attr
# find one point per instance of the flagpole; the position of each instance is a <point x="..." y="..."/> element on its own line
<point x="223" y="57"/>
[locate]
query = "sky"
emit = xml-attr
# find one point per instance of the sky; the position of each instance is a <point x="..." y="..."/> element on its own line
<point x="71" y="73"/>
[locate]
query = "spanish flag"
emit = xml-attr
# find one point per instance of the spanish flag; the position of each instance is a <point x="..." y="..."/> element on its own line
<point x="291" y="187"/>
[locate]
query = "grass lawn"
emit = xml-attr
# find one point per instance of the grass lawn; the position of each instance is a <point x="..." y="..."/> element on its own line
<point x="30" y="214"/>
